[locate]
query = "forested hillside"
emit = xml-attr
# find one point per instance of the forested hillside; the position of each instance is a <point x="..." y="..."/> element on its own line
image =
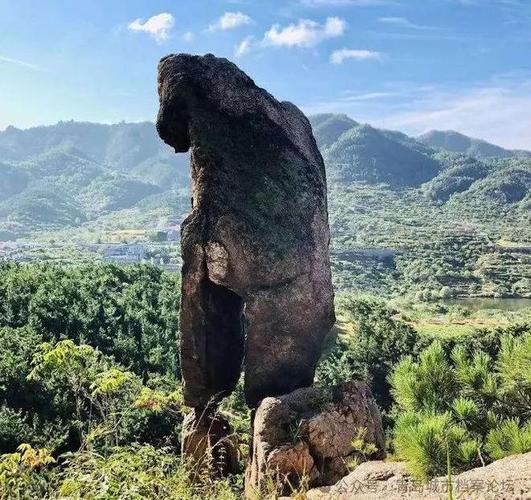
<point x="407" y="216"/>
<point x="72" y="173"/>
<point x="91" y="396"/>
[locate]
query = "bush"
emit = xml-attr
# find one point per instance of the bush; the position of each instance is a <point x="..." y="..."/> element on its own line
<point x="425" y="439"/>
<point x="378" y="343"/>
<point x="426" y="385"/>
<point x="92" y="337"/>
<point x="130" y="313"/>
<point x="514" y="369"/>
<point x="14" y="429"/>
<point x="509" y="438"/>
<point x="431" y="417"/>
<point x="488" y="341"/>
<point x="138" y="472"/>
<point x="105" y="404"/>
<point x="23" y="474"/>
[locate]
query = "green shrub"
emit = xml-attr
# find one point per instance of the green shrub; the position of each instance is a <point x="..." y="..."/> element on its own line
<point x="479" y="419"/>
<point x="487" y="340"/>
<point x="100" y="402"/>
<point x="128" y="312"/>
<point x="370" y="354"/>
<point x="514" y="369"/>
<point x="14" y="429"/>
<point x="509" y="438"/>
<point x="24" y="474"/>
<point x="423" y="440"/>
<point x="426" y="385"/>
<point x="138" y="472"/>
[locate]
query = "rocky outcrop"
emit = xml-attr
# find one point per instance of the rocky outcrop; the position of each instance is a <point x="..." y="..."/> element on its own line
<point x="309" y="436"/>
<point x="508" y="479"/>
<point x="256" y="273"/>
<point x="208" y="440"/>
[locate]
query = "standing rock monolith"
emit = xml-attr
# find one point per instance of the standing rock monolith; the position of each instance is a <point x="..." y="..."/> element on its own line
<point x="256" y="273"/>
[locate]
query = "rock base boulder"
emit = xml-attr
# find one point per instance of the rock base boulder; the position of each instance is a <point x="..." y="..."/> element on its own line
<point x="207" y="440"/>
<point x="309" y="436"/>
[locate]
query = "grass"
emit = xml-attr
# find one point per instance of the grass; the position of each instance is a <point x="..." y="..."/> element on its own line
<point x="451" y="328"/>
<point x="440" y="320"/>
<point x="436" y="320"/>
<point x="444" y="330"/>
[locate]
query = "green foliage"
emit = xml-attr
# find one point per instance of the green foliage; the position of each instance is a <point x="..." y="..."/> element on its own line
<point x="514" y="368"/>
<point x="21" y="475"/>
<point x="97" y="399"/>
<point x="422" y="439"/>
<point x="105" y="335"/>
<point x="378" y="342"/>
<point x="465" y="402"/>
<point x="488" y="341"/>
<point x="426" y="385"/>
<point x="362" y="449"/>
<point x="127" y="473"/>
<point x="128" y="312"/>
<point x="509" y="438"/>
<point x="137" y="472"/>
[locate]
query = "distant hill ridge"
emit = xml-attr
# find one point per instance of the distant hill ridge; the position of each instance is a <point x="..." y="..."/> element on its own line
<point x="74" y="172"/>
<point x="450" y="140"/>
<point x="71" y="172"/>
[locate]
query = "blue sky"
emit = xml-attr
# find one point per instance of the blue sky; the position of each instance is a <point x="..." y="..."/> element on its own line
<point x="410" y="65"/>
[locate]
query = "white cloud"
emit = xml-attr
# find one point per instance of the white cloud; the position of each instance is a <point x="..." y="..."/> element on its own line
<point x="335" y="26"/>
<point x="501" y="115"/>
<point x="244" y="47"/>
<point x="188" y="37"/>
<point x="339" y="56"/>
<point x="402" y="22"/>
<point x="23" y="64"/>
<point x="229" y="21"/>
<point x="497" y="110"/>
<point x="158" y="26"/>
<point x="369" y="96"/>
<point x="305" y="33"/>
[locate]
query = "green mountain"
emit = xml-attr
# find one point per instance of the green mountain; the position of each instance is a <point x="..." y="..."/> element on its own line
<point x="364" y="153"/>
<point x="459" y="175"/>
<point x="327" y="128"/>
<point x="70" y="173"/>
<point x="406" y="216"/>
<point x="450" y="140"/>
<point x="39" y="207"/>
<point x="13" y="180"/>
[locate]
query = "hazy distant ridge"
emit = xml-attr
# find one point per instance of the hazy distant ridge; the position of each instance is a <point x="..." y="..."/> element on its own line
<point x="70" y="173"/>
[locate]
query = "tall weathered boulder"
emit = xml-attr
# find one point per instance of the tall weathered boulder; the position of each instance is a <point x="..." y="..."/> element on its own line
<point x="256" y="273"/>
<point x="312" y="435"/>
